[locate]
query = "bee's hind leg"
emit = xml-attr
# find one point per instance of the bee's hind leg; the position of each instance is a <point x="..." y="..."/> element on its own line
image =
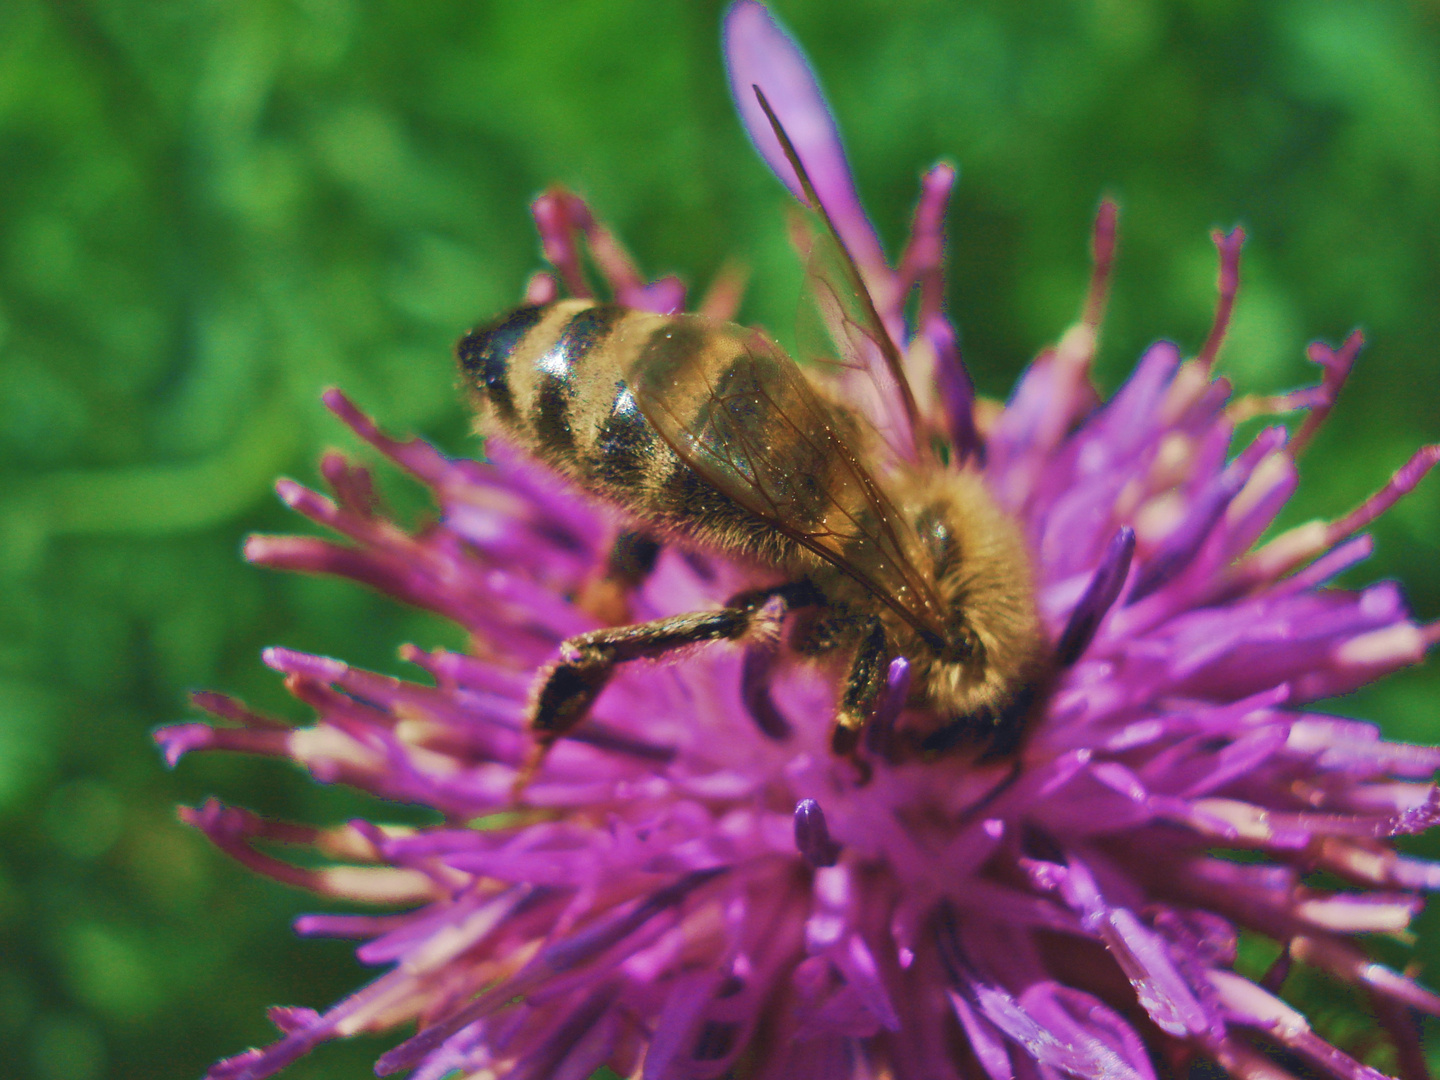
<point x="570" y="684"/>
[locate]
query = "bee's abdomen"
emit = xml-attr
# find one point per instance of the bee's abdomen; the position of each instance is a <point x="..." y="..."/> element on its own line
<point x="547" y="377"/>
<point x="521" y="369"/>
<point x="558" y="380"/>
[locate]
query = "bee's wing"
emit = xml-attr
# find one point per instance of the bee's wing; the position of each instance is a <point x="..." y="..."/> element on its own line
<point x="870" y="369"/>
<point x="755" y="429"/>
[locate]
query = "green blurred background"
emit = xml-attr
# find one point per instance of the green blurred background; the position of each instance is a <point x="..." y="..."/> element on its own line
<point x="211" y="210"/>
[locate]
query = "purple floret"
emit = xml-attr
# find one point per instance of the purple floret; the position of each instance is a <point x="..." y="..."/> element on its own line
<point x="691" y="883"/>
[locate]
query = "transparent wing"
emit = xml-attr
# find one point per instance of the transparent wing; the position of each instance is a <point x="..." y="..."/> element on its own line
<point x="751" y="425"/>
<point x="870" y="369"/>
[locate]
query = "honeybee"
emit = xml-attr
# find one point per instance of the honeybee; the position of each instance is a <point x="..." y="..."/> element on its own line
<point x="706" y="435"/>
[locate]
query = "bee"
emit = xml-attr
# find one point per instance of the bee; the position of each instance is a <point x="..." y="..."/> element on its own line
<point x="707" y="436"/>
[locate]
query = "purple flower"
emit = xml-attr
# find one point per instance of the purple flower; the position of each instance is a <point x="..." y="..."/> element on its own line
<point x="693" y="886"/>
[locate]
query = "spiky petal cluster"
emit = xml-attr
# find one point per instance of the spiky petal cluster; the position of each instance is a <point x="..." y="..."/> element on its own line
<point x="693" y="886"/>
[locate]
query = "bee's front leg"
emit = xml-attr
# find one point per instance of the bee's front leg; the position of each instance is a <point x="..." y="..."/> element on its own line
<point x="863" y="686"/>
<point x="568" y="686"/>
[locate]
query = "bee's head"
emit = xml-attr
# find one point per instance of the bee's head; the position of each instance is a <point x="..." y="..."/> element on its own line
<point x="941" y="544"/>
<point x="992" y="645"/>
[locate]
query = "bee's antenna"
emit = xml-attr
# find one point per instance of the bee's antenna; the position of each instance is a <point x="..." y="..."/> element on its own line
<point x="882" y="336"/>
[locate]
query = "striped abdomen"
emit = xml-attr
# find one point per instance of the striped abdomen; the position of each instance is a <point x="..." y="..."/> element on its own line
<point x="604" y="395"/>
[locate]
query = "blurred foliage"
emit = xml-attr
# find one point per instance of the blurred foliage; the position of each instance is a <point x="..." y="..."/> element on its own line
<point x="212" y="210"/>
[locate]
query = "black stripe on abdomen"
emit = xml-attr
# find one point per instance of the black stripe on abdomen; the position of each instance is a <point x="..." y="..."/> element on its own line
<point x="626" y="445"/>
<point x="556" y="372"/>
<point x="485" y="352"/>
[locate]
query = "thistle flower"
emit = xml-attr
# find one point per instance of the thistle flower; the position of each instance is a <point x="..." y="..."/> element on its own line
<point x="692" y="886"/>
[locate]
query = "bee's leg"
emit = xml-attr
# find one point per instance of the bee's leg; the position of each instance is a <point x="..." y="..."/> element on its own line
<point x="570" y="685"/>
<point x="606" y="595"/>
<point x="863" y="686"/>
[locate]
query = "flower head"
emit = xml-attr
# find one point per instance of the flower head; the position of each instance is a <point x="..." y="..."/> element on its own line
<point x="693" y="885"/>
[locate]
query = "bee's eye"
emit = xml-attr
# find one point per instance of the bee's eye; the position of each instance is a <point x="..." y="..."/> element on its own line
<point x="936" y="536"/>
